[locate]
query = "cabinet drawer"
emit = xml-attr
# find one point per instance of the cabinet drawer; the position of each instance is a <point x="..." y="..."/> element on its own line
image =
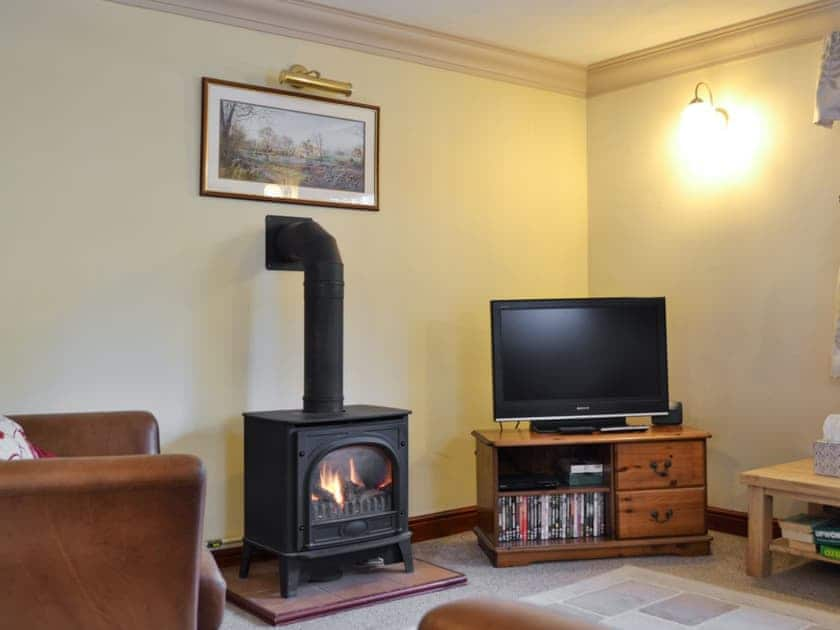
<point x="651" y="513"/>
<point x="649" y="465"/>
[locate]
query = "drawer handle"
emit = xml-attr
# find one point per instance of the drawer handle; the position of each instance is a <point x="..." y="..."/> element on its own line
<point x="666" y="465"/>
<point x="668" y="514"/>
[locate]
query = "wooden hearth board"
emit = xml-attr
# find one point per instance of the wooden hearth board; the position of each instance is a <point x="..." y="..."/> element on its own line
<point x="260" y="593"/>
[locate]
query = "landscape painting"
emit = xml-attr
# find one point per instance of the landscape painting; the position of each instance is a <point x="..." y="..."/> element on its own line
<point x="277" y="146"/>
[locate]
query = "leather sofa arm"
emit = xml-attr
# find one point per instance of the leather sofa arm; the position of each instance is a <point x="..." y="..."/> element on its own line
<point x="91" y="434"/>
<point x="480" y="614"/>
<point x="212" y="590"/>
<point x="102" y="542"/>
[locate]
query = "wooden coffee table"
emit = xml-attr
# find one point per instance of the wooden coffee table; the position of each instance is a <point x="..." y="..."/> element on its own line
<point x="796" y="480"/>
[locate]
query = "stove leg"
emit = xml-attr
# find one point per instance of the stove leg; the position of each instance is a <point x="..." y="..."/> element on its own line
<point x="245" y="563"/>
<point x="289" y="576"/>
<point x="408" y="558"/>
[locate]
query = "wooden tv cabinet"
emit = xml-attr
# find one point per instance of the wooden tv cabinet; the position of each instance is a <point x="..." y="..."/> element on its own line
<point x="654" y="483"/>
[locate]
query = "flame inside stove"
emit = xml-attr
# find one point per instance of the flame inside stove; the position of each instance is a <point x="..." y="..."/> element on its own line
<point x="331" y="482"/>
<point x="387" y="481"/>
<point x="354" y="476"/>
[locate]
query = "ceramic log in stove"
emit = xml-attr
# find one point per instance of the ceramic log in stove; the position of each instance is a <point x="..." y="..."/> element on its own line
<point x="325" y="486"/>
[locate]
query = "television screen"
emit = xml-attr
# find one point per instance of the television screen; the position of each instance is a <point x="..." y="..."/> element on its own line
<point x="585" y="358"/>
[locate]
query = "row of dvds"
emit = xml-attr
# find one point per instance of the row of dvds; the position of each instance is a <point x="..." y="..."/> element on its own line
<point x="525" y="518"/>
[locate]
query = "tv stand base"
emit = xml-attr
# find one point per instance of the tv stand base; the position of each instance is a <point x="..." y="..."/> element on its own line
<point x="654" y="490"/>
<point x="576" y="427"/>
<point x="512" y="556"/>
<point x="571" y="430"/>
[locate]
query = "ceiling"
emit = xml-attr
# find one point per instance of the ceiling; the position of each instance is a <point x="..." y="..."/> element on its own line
<point x="576" y="31"/>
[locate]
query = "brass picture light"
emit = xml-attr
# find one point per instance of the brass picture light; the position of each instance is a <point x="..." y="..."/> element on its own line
<point x="299" y="77"/>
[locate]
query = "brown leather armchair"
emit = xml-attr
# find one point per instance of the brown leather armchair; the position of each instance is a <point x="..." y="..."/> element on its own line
<point x="106" y="535"/>
<point x="485" y="614"/>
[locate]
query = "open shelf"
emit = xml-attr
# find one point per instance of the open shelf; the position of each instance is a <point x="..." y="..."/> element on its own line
<point x="554" y="491"/>
<point x="781" y="545"/>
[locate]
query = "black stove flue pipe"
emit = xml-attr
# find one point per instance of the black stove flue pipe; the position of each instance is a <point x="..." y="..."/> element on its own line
<point x="301" y="244"/>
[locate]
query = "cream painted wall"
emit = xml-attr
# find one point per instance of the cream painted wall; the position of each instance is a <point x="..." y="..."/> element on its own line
<point x="122" y="288"/>
<point x="747" y="259"/>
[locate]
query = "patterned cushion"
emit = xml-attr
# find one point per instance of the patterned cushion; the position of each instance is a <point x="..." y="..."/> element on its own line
<point x="13" y="442"/>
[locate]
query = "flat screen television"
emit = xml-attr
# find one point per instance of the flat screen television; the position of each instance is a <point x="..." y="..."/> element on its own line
<point x="579" y="362"/>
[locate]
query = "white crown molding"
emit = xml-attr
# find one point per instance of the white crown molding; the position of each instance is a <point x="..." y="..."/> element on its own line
<point x="799" y="25"/>
<point x="303" y="19"/>
<point x="314" y="22"/>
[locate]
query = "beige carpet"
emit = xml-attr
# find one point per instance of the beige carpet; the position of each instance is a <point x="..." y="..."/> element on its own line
<point x="815" y="585"/>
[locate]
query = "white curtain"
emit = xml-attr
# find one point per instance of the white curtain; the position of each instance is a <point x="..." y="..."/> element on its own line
<point x="825" y="113"/>
<point x="835" y="350"/>
<point x="828" y="87"/>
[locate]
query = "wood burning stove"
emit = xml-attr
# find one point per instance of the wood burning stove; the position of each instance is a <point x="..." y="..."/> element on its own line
<point x="325" y="486"/>
<point x="323" y="492"/>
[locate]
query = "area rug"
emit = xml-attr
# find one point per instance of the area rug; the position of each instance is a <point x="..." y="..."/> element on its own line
<point x="638" y="599"/>
<point x="259" y="594"/>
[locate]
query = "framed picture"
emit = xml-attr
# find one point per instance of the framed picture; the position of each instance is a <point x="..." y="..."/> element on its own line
<point x="272" y="145"/>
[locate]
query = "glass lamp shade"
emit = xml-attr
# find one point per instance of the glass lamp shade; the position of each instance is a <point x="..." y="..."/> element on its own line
<point x="702" y="140"/>
<point x="702" y="120"/>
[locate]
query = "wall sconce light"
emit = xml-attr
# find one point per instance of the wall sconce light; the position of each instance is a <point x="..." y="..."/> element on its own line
<point x="702" y="136"/>
<point x="711" y="145"/>
<point x="299" y="77"/>
<point x="705" y="116"/>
